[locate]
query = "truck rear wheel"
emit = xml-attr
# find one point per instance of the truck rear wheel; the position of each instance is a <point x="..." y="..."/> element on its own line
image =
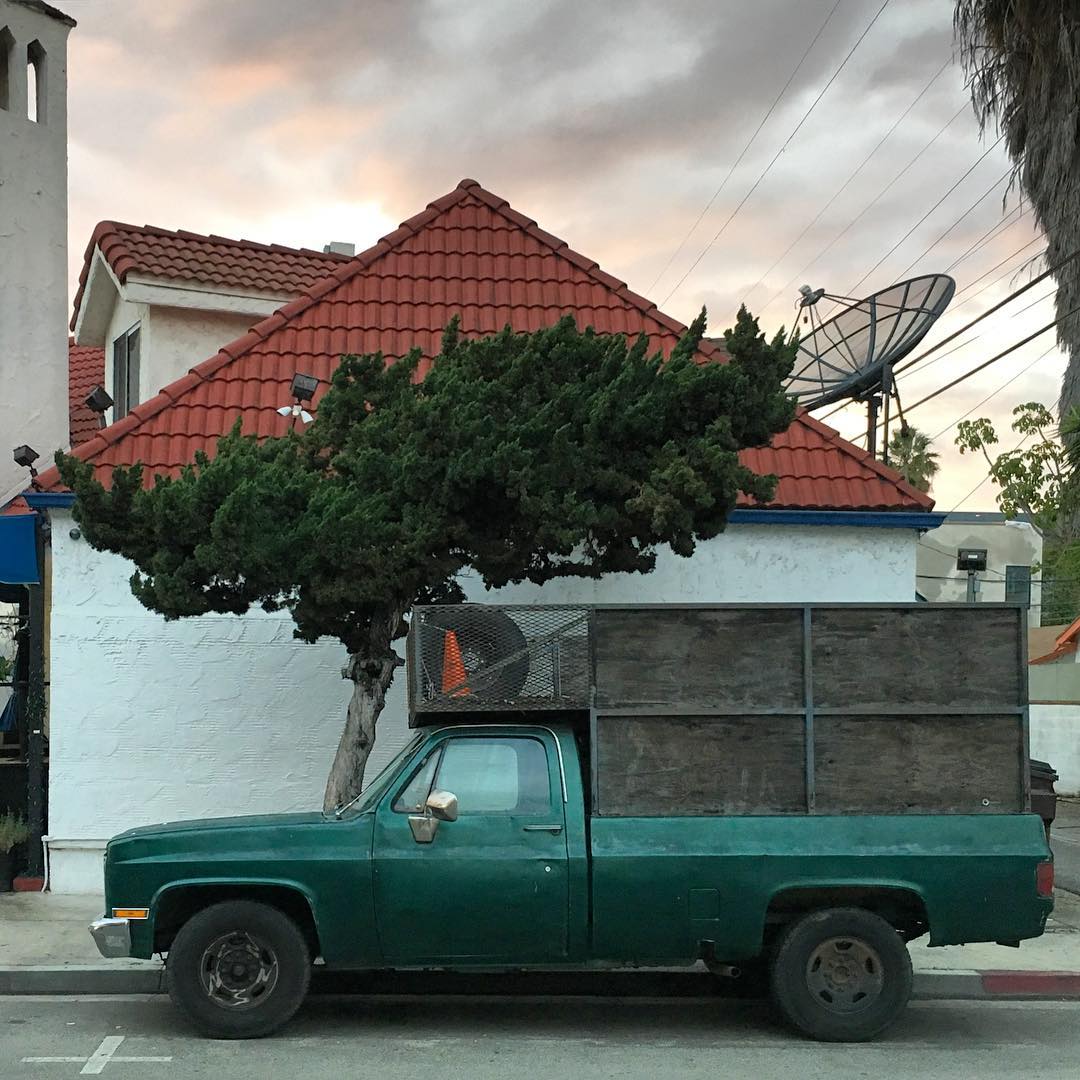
<point x="238" y="969"/>
<point x="841" y="975"/>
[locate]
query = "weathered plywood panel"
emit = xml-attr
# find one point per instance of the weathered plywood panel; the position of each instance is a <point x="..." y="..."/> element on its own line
<point x="693" y="765"/>
<point x="880" y="658"/>
<point x="918" y="764"/>
<point x="699" y="658"/>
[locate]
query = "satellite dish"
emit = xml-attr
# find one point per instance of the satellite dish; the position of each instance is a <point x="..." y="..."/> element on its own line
<point x="851" y="354"/>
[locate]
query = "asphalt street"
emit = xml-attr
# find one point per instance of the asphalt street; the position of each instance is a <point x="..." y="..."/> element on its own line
<point x="496" y="1039"/>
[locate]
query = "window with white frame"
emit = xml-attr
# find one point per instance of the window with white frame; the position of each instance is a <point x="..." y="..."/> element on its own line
<point x="125" y="372"/>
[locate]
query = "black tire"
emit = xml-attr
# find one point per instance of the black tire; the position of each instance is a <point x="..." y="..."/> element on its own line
<point x="204" y="965"/>
<point x="841" y="975"/>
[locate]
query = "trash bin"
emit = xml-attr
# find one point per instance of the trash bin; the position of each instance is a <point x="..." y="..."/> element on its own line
<point x="1043" y="795"/>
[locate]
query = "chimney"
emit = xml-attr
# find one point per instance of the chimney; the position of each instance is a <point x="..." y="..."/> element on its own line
<point x="339" y="247"/>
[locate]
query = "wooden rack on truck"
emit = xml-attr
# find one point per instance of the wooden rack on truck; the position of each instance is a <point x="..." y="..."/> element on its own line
<point x="752" y="709"/>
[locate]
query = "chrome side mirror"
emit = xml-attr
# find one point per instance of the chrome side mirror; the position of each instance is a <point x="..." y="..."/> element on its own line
<point x="440" y="806"/>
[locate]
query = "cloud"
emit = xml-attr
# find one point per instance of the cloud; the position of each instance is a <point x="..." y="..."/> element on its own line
<point x="613" y="125"/>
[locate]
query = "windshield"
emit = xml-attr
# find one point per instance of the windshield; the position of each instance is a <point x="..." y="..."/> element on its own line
<point x="376" y="786"/>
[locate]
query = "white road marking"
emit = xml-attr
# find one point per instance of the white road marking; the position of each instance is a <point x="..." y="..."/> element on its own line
<point x="96" y="1062"/>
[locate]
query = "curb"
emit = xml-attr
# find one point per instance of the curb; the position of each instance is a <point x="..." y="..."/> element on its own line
<point x="957" y="985"/>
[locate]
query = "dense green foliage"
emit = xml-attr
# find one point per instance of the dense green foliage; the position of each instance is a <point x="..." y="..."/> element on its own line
<point x="1022" y="62"/>
<point x="524" y="457"/>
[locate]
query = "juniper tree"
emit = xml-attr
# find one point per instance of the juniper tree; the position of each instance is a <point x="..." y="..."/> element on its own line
<point x="523" y="457"/>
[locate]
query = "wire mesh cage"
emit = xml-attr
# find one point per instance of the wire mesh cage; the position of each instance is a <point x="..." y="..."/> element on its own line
<point x="470" y="657"/>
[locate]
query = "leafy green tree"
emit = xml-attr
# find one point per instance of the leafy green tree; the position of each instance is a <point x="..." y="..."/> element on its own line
<point x="1022" y="61"/>
<point x="911" y="454"/>
<point x="521" y="456"/>
<point x="1039" y="478"/>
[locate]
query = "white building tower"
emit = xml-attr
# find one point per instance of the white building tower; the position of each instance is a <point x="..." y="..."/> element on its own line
<point x="33" y="235"/>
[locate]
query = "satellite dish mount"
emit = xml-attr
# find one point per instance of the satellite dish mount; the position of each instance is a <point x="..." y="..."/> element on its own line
<point x="851" y="354"/>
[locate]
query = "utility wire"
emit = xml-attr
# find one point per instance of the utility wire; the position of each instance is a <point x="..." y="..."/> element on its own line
<point x="806" y="116"/>
<point x="742" y="153"/>
<point x="995" y="230"/>
<point x="986" y="477"/>
<point x="843" y="187"/>
<point x="993" y="187"/>
<point x="862" y="213"/>
<point x="989" y="150"/>
<point x="1007" y="383"/>
<point x="997" y="266"/>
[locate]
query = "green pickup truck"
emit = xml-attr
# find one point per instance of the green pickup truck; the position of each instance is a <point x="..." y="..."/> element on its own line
<point x="787" y="789"/>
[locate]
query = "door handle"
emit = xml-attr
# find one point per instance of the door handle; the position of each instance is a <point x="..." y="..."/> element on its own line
<point x="555" y="828"/>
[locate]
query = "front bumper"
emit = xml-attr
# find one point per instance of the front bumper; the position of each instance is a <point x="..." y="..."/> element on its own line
<point x="112" y="937"/>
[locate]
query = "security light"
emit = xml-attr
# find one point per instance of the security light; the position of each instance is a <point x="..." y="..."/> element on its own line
<point x="304" y="386"/>
<point x="98" y="401"/>
<point x="25" y="456"/>
<point x="971" y="559"/>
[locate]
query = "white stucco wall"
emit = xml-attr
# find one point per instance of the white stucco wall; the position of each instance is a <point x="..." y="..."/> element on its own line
<point x="1055" y="737"/>
<point x="33" y="251"/>
<point x="220" y="715"/>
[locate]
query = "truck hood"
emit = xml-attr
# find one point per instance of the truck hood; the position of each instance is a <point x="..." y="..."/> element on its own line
<point x="202" y="825"/>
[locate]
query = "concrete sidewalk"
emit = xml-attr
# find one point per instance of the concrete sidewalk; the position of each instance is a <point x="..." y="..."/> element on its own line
<point x="45" y="949"/>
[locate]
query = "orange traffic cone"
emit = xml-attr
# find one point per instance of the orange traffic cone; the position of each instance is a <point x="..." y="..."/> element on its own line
<point x="453" y="667"/>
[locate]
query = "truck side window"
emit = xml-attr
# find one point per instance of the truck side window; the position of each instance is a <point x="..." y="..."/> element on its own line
<point x="496" y="775"/>
<point x="413" y="796"/>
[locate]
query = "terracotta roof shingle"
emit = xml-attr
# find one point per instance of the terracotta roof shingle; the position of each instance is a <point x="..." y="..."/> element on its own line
<point x="207" y="260"/>
<point x="86" y="369"/>
<point x="468" y="254"/>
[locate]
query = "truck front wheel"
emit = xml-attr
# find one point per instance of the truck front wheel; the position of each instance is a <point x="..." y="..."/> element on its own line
<point x="841" y="975"/>
<point x="238" y="969"/>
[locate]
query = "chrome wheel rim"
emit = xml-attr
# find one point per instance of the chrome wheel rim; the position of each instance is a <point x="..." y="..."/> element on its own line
<point x="238" y="971"/>
<point x="845" y="975"/>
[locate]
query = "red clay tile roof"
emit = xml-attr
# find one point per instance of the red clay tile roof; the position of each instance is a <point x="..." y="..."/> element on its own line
<point x="86" y="369"/>
<point x="469" y="253"/>
<point x="16" y="506"/>
<point x="209" y="260"/>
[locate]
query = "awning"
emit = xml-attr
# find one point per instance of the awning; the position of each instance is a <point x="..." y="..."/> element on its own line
<point x="18" y="549"/>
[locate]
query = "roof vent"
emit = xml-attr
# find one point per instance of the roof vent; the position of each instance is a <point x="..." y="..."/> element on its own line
<point x="339" y="247"/>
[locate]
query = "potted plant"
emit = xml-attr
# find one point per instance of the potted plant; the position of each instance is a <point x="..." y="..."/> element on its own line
<point x="13" y="830"/>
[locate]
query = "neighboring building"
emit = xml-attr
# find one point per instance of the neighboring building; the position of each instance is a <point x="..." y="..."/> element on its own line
<point x="1054" y="692"/>
<point x="157" y="720"/>
<point x="33" y="237"/>
<point x="154" y="300"/>
<point x="1013" y="552"/>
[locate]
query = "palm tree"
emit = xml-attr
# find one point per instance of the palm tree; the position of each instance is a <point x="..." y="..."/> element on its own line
<point x="910" y="454"/>
<point x="1022" y="61"/>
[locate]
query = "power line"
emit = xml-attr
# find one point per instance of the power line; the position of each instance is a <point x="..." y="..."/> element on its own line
<point x="869" y="206"/>
<point x="982" y="158"/>
<point x="843" y="187"/>
<point x="992" y="233"/>
<point x="986" y="477"/>
<point x="806" y="116"/>
<point x="911" y="266"/>
<point x="996" y="266"/>
<point x="742" y="153"/>
<point x="1007" y="383"/>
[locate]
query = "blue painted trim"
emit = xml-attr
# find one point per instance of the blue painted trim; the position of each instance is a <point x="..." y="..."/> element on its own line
<point x="46" y="500"/>
<point x="18" y="549"/>
<point x="863" y="519"/>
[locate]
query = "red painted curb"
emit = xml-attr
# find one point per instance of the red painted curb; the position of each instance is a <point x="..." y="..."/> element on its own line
<point x="1065" y="983"/>
<point x="28" y="884"/>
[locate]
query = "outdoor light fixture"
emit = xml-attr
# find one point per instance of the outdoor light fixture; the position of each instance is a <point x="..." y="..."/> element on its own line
<point x="304" y="386"/>
<point x="303" y="389"/>
<point x="25" y="456"/>
<point x="98" y="401"/>
<point x="971" y="559"/>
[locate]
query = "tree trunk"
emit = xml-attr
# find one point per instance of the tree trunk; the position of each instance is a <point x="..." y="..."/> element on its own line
<point x="371" y="677"/>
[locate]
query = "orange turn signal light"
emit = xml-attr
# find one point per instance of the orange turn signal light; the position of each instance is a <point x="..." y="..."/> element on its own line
<point x="130" y="912"/>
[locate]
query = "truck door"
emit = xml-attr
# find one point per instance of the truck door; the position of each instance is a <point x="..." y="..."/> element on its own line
<point x="493" y="883"/>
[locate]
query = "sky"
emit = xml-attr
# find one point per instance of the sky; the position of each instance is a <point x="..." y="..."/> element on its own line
<point x="633" y="130"/>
